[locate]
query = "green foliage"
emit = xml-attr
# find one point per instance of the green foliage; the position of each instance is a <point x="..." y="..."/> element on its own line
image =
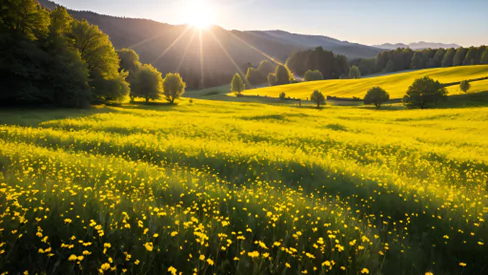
<point x="331" y="66"/>
<point x="438" y="57"/>
<point x="423" y="92"/>
<point x="390" y="66"/>
<point x="459" y="56"/>
<point x="376" y="96"/>
<point x="283" y="96"/>
<point x="465" y="86"/>
<point x="237" y="86"/>
<point x="283" y="75"/>
<point x="448" y="58"/>
<point x="313" y="75"/>
<point x="272" y="79"/>
<point x="354" y="73"/>
<point x="318" y="98"/>
<point x="115" y="88"/>
<point x="418" y="61"/>
<point x="173" y="87"/>
<point x="266" y="68"/>
<point x="147" y="83"/>
<point x="484" y="57"/>
<point x="48" y="57"/>
<point x="254" y="76"/>
<point x="129" y="60"/>
<point x="24" y="17"/>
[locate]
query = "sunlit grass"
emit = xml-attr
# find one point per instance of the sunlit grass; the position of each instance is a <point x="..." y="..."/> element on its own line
<point x="395" y="84"/>
<point x="229" y="188"/>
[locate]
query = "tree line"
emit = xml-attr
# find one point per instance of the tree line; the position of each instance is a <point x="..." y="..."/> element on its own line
<point x="48" y="57"/>
<point x="404" y="59"/>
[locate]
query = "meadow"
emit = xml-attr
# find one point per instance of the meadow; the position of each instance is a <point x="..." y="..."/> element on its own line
<point x="395" y="84"/>
<point x="209" y="187"/>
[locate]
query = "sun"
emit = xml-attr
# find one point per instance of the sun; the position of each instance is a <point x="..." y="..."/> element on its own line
<point x="199" y="14"/>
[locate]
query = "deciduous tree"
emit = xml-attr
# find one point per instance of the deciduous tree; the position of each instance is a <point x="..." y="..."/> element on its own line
<point x="423" y="92"/>
<point x="173" y="86"/>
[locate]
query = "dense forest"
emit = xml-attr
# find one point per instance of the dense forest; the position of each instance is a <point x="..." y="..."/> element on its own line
<point x="48" y="57"/>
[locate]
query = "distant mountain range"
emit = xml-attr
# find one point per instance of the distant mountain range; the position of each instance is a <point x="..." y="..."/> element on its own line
<point x="416" y="46"/>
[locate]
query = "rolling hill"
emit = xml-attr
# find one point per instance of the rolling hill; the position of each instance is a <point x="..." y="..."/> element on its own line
<point x="181" y="46"/>
<point x="395" y="84"/>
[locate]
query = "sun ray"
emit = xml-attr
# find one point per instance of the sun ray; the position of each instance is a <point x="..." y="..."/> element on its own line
<point x="202" y="59"/>
<point x="231" y="60"/>
<point x="186" y="51"/>
<point x="172" y="44"/>
<point x="256" y="49"/>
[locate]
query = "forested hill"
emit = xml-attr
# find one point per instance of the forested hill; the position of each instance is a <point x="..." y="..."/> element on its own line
<point x="151" y="39"/>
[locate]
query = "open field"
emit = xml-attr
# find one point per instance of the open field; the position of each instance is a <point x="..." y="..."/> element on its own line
<point x="395" y="84"/>
<point x="219" y="187"/>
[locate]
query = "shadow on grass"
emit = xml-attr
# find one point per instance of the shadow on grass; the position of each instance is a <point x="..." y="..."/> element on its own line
<point x="34" y="115"/>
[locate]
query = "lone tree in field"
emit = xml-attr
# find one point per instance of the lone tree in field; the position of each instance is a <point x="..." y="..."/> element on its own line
<point x="173" y="86"/>
<point x="465" y="86"/>
<point x="147" y="83"/>
<point x="376" y="96"/>
<point x="318" y="98"/>
<point x="424" y="91"/>
<point x="282" y="96"/>
<point x="237" y="86"/>
<point x="354" y="72"/>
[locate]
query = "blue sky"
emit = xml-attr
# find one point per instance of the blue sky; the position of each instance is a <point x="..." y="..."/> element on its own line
<point x="362" y="21"/>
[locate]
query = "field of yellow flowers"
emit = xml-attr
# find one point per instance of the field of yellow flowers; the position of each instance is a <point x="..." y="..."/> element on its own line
<point x="210" y="187"/>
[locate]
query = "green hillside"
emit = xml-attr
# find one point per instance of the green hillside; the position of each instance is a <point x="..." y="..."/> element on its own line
<point x="395" y="84"/>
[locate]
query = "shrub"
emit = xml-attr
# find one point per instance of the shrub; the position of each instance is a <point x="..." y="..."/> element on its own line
<point x="465" y="86"/>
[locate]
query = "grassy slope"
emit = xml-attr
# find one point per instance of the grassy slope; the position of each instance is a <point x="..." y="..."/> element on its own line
<point x="406" y="184"/>
<point x="395" y="84"/>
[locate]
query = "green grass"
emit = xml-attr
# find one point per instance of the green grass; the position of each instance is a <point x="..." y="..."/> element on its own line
<point x="395" y="84"/>
<point x="244" y="188"/>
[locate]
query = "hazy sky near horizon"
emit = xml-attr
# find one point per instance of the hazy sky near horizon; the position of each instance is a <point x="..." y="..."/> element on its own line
<point x="464" y="22"/>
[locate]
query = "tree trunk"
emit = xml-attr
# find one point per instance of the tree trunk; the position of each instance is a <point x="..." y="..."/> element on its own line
<point x="147" y="99"/>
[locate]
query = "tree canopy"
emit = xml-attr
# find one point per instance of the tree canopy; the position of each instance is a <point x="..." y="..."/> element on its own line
<point x="147" y="84"/>
<point x="376" y="96"/>
<point x="283" y="75"/>
<point x="318" y="98"/>
<point x="354" y="72"/>
<point x="49" y="57"/>
<point x="313" y="75"/>
<point x="423" y="92"/>
<point x="236" y="85"/>
<point x="330" y="65"/>
<point x="173" y="87"/>
<point x="465" y="86"/>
